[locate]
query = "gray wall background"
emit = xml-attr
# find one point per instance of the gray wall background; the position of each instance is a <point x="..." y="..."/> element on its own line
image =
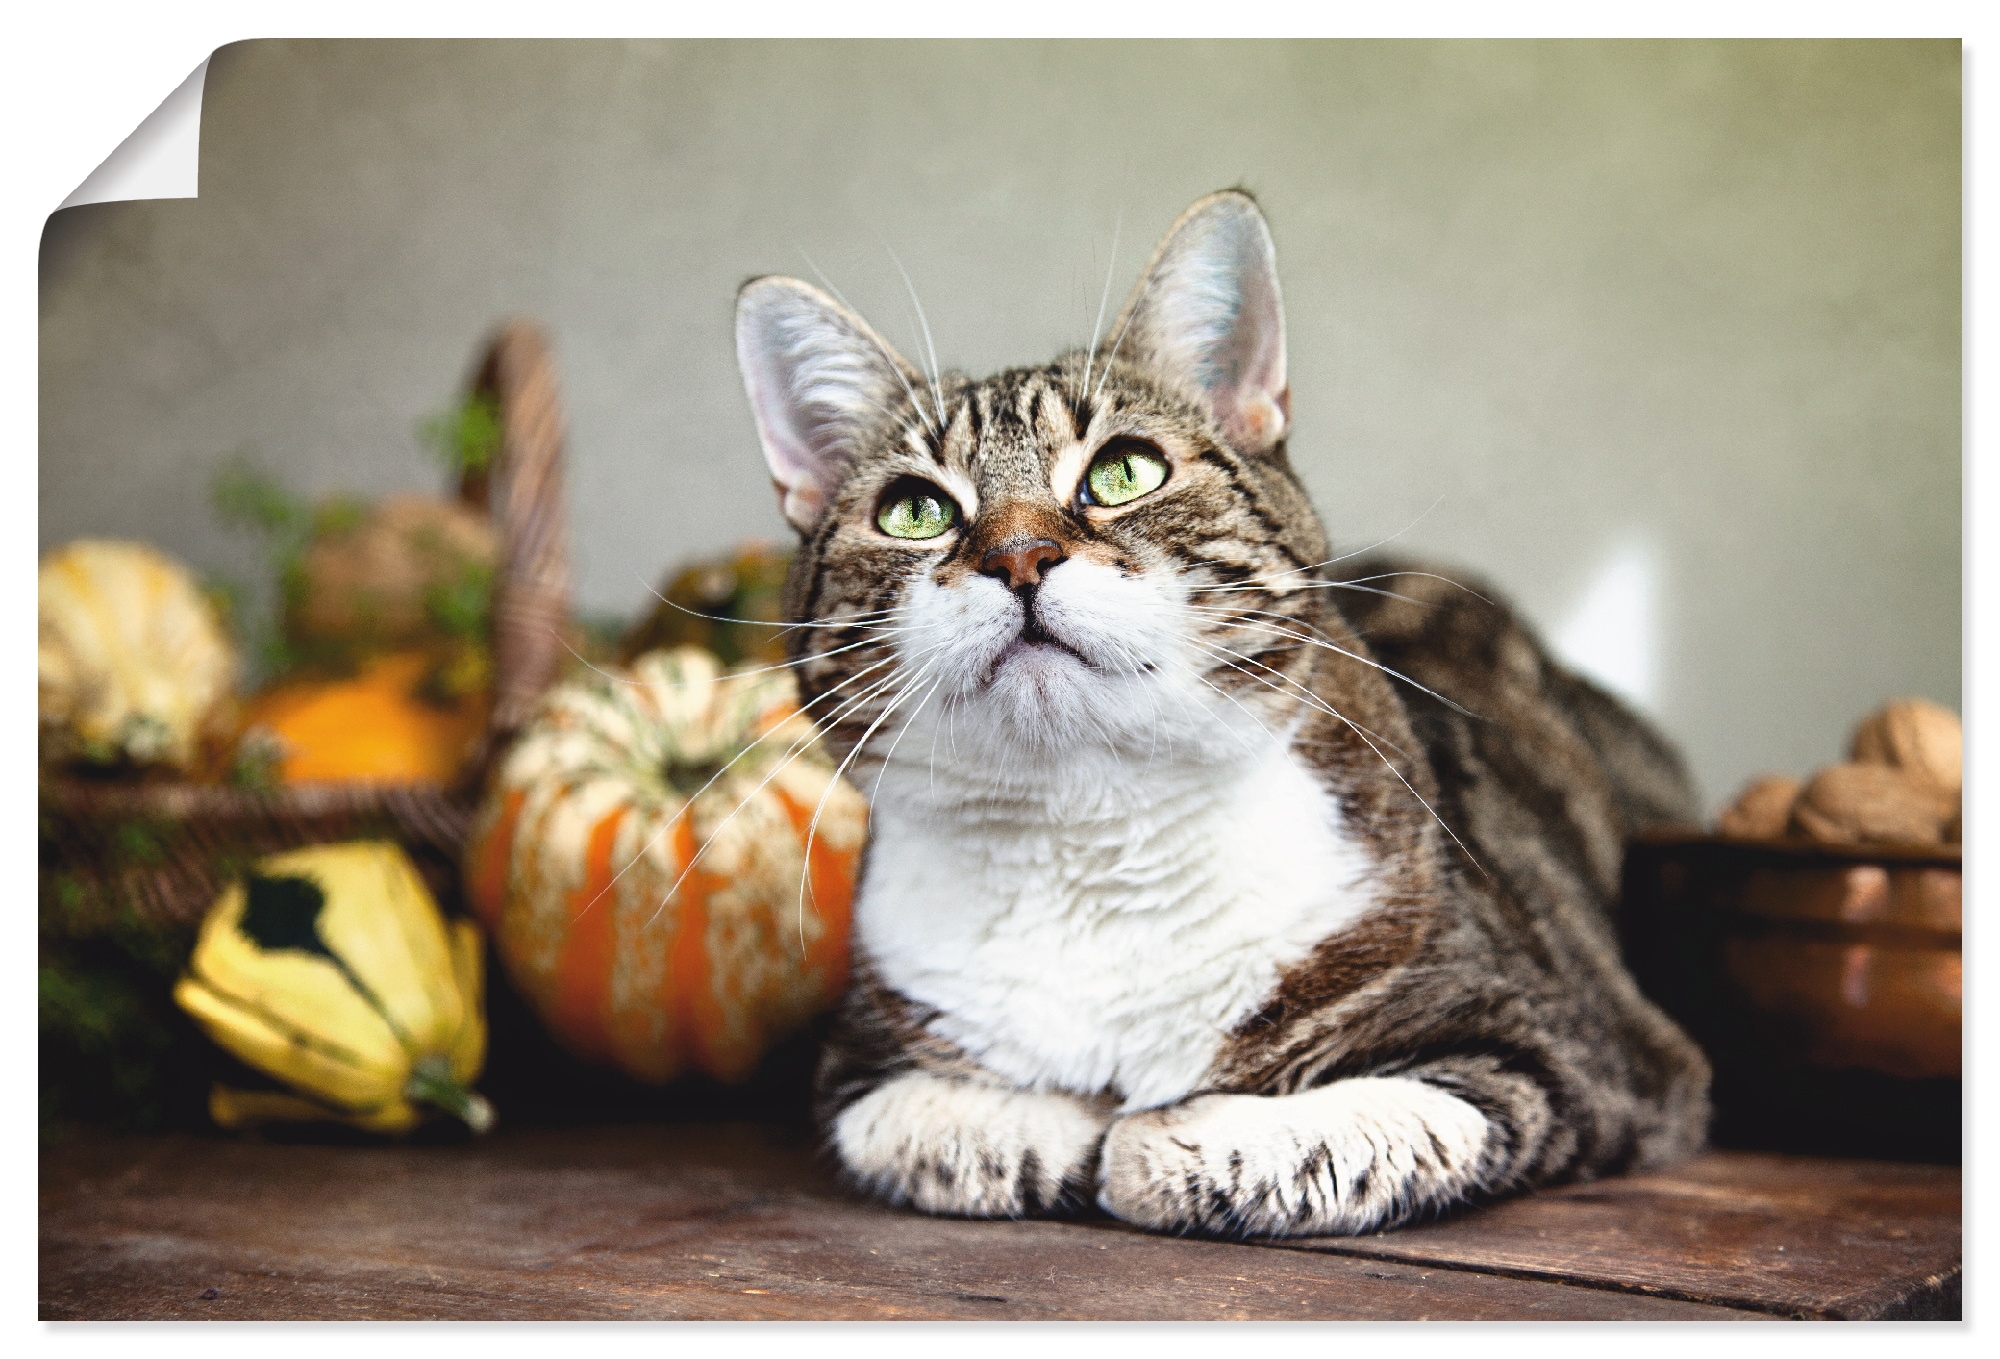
<point x="1550" y="303"/>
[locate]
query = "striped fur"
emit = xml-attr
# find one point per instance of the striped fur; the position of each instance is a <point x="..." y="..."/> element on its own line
<point x="1195" y="887"/>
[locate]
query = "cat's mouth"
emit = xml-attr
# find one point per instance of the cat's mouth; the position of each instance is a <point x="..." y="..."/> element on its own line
<point x="1034" y="643"/>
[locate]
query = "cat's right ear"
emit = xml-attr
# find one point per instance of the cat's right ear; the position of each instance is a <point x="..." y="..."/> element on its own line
<point x="818" y="378"/>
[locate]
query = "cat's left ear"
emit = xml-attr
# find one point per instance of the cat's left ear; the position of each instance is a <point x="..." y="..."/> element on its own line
<point x="1206" y="315"/>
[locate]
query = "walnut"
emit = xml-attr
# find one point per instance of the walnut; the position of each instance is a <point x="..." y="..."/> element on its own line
<point x="1916" y="735"/>
<point x="1762" y="810"/>
<point x="1873" y="802"/>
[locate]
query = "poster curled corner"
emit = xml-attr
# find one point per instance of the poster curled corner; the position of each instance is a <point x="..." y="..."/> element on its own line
<point x="162" y="157"/>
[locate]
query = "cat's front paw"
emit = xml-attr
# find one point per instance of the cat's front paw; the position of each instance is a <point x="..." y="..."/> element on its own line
<point x="958" y="1147"/>
<point x="1348" y="1157"/>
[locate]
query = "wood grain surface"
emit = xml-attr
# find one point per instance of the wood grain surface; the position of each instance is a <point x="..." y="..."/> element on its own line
<point x="1797" y="1236"/>
<point x="740" y="1221"/>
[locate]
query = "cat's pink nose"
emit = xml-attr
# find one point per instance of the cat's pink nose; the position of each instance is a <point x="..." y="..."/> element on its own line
<point x="1022" y="561"/>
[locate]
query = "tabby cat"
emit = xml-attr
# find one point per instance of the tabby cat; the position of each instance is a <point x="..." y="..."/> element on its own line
<point x="1213" y="879"/>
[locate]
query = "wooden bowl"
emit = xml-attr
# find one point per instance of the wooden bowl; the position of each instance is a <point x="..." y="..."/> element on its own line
<point x="1825" y="982"/>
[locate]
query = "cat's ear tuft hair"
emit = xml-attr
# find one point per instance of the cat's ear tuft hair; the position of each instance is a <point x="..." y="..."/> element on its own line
<point x="817" y="377"/>
<point x="1206" y="315"/>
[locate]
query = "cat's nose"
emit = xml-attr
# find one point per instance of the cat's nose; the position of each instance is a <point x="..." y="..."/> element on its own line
<point x="1022" y="561"/>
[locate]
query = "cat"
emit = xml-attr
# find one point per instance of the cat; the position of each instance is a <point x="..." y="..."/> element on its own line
<point x="1211" y="880"/>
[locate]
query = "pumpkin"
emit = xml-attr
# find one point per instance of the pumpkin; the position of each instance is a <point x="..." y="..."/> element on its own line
<point x="331" y="970"/>
<point x="131" y="659"/>
<point x="381" y="725"/>
<point x="642" y="862"/>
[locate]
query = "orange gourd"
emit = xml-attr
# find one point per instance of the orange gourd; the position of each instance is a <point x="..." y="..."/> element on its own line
<point x="377" y="726"/>
<point x="642" y="863"/>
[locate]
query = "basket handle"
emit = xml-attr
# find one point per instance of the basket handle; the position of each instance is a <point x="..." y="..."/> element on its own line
<point x="523" y="492"/>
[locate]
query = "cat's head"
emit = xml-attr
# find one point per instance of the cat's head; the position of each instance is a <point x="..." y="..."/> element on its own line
<point x="1103" y="553"/>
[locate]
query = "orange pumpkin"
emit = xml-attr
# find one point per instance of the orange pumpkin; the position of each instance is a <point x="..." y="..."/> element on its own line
<point x="377" y="726"/>
<point x="642" y="862"/>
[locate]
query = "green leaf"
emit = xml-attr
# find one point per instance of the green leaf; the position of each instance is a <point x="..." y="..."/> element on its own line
<point x="467" y="437"/>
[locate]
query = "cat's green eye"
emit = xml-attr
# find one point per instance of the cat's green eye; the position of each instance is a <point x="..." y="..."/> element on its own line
<point x="915" y="509"/>
<point x="1123" y="472"/>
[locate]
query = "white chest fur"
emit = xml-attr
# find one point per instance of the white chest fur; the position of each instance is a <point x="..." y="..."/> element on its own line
<point x="1108" y="937"/>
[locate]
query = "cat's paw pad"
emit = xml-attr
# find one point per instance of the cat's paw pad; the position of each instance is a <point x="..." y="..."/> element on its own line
<point x="961" y="1148"/>
<point x="1348" y="1157"/>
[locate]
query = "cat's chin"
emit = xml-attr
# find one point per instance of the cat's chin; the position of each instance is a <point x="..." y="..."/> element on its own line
<point x="1034" y="678"/>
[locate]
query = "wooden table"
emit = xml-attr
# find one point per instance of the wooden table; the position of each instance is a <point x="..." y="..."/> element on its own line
<point x="741" y="1221"/>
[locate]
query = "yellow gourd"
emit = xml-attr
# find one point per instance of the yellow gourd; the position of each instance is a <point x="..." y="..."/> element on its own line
<point x="331" y="969"/>
<point x="132" y="661"/>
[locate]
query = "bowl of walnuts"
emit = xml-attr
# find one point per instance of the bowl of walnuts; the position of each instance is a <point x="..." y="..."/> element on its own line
<point x="1812" y="944"/>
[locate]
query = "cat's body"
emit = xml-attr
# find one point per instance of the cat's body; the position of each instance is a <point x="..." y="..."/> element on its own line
<point x="1176" y="898"/>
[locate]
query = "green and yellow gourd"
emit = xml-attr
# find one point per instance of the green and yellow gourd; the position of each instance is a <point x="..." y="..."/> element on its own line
<point x="331" y="970"/>
<point x="642" y="860"/>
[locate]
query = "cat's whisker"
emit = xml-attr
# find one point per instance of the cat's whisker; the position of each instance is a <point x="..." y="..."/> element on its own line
<point x="1363" y="551"/>
<point x="805" y="867"/>
<point x="1357" y="584"/>
<point x="1428" y="575"/>
<point x="858" y="620"/>
<point x="1267" y="581"/>
<point x="1301" y="691"/>
<point x="719" y="677"/>
<point x="1203" y="679"/>
<point x="1249" y="588"/>
<point x="904" y="730"/>
<point x="841" y="769"/>
<point x="688" y="804"/>
<point x="1351" y="655"/>
<point x="1388" y="764"/>
<point x="798" y="748"/>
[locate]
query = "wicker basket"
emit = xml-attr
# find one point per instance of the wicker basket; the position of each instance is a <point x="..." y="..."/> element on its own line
<point x="161" y="851"/>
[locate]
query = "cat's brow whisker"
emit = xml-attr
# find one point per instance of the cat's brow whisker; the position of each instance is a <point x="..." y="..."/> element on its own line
<point x="1103" y="299"/>
<point x="1132" y="309"/>
<point x="936" y="376"/>
<point x="901" y="377"/>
